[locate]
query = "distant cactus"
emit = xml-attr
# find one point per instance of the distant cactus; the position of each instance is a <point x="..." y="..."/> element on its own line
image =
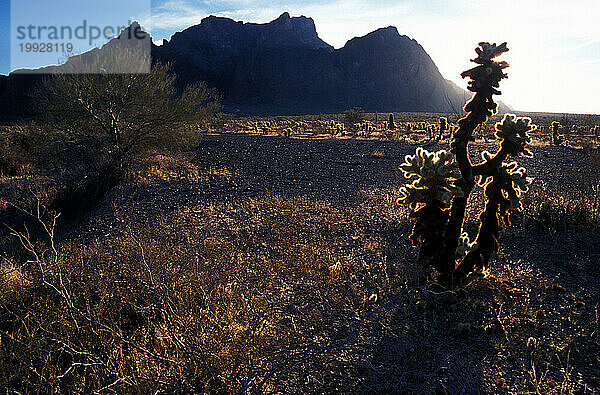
<point x="391" y="124"/>
<point x="443" y="127"/>
<point x="557" y="138"/>
<point x="444" y="181"/>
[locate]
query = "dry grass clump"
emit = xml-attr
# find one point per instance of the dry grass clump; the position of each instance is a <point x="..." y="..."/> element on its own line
<point x="215" y="298"/>
<point x="156" y="167"/>
<point x="573" y="206"/>
<point x="559" y="212"/>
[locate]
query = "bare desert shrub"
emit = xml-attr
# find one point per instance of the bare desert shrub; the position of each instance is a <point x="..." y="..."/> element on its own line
<point x="17" y="153"/>
<point x="116" y="115"/>
<point x="354" y="115"/>
<point x="101" y="123"/>
<point x="11" y="163"/>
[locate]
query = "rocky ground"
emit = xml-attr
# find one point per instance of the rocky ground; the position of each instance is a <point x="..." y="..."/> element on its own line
<point x="531" y="326"/>
<point x="230" y="166"/>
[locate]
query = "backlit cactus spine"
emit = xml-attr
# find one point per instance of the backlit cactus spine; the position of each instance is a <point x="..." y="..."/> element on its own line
<point x="444" y="183"/>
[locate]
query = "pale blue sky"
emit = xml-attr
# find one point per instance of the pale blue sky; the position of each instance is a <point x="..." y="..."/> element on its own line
<point x="51" y="24"/>
<point x="555" y="45"/>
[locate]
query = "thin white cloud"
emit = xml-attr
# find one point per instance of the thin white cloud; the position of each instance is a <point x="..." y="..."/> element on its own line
<point x="175" y="15"/>
<point x="582" y="45"/>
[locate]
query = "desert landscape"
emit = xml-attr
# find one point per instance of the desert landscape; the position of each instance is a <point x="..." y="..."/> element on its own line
<point x="236" y="224"/>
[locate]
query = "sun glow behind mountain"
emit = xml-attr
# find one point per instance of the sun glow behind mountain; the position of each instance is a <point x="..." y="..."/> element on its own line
<point x="554" y="46"/>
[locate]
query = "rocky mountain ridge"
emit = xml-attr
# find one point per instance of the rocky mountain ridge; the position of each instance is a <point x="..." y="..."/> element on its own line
<point x="284" y="68"/>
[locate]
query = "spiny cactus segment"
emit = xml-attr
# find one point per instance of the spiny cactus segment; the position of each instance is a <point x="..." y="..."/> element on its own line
<point x="485" y="78"/>
<point x="486" y="52"/>
<point x="514" y="181"/>
<point x="510" y="178"/>
<point x="514" y="136"/>
<point x="435" y="174"/>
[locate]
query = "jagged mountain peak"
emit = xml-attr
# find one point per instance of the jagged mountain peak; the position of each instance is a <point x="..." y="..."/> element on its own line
<point x="133" y="31"/>
<point x="385" y="36"/>
<point x="390" y="31"/>
<point x="220" y="32"/>
<point x="284" y="16"/>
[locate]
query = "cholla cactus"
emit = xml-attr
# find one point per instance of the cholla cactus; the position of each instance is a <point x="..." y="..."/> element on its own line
<point x="446" y="180"/>
<point x="557" y="138"/>
<point x="514" y="181"/>
<point x="429" y="195"/>
<point x="443" y="127"/>
<point x="435" y="174"/>
<point x="513" y="133"/>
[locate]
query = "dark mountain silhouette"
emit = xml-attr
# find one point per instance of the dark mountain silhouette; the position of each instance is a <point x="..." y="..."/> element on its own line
<point x="283" y="67"/>
<point x="129" y="52"/>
